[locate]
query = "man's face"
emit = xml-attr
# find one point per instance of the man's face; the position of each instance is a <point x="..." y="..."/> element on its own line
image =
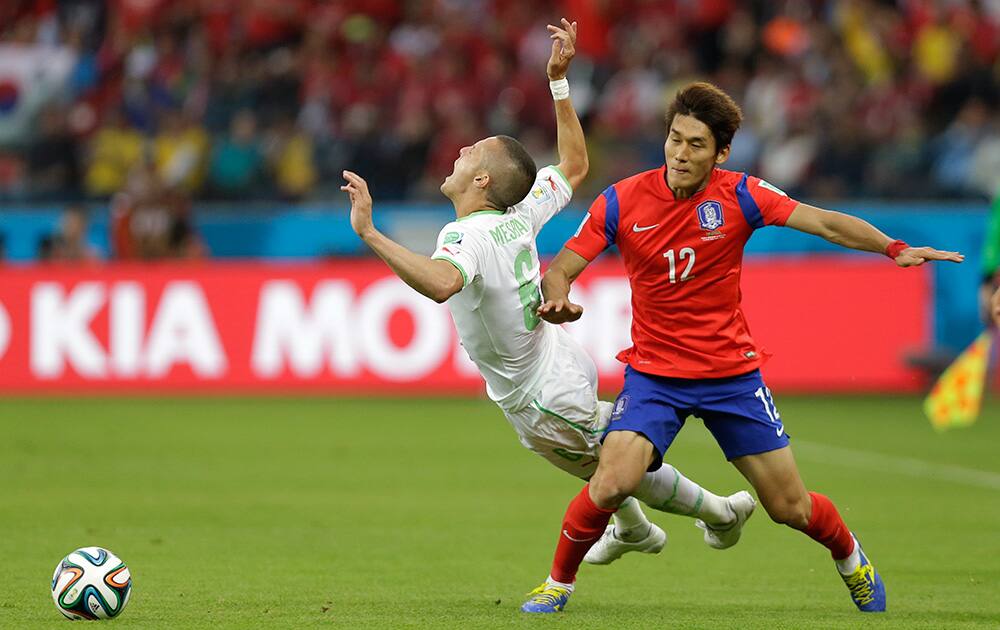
<point x="690" y="153"/>
<point x="468" y="166"/>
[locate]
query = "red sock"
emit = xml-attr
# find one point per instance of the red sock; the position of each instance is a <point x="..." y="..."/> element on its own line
<point x="828" y="529"/>
<point x="581" y="528"/>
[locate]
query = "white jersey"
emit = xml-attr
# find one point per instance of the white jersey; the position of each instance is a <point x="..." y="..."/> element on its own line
<point x="495" y="312"/>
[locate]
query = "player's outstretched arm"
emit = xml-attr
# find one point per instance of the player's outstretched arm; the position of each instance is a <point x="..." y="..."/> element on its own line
<point x="437" y="279"/>
<point x="564" y="269"/>
<point x="573" y="161"/>
<point x="855" y="233"/>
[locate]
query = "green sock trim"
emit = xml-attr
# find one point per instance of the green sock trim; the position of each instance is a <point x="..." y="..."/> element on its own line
<point x="697" y="504"/>
<point x="677" y="480"/>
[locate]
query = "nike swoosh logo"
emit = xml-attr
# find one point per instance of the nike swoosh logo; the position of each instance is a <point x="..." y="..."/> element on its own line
<point x="780" y="430"/>
<point x="578" y="540"/>
<point x="636" y="228"/>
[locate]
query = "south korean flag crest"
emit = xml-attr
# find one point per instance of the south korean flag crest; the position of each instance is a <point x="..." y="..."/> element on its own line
<point x="710" y="215"/>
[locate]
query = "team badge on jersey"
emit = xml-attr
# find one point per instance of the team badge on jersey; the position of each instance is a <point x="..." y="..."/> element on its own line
<point x="710" y="215"/>
<point x="453" y="237"/>
<point x="538" y="192"/>
<point x="620" y="406"/>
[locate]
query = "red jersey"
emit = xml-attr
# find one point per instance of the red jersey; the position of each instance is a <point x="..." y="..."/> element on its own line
<point x="683" y="258"/>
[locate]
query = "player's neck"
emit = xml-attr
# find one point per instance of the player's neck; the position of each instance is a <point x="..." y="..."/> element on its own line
<point x="688" y="191"/>
<point x="465" y="207"/>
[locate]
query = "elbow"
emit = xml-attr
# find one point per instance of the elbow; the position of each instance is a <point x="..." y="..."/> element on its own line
<point x="440" y="295"/>
<point x="576" y="170"/>
<point x="443" y="292"/>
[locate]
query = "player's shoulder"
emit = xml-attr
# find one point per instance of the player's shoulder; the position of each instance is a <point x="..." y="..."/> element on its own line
<point x="724" y="179"/>
<point x="458" y="231"/>
<point x="747" y="183"/>
<point x="550" y="186"/>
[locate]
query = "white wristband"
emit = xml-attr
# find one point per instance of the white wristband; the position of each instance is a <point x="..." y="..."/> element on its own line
<point x="559" y="89"/>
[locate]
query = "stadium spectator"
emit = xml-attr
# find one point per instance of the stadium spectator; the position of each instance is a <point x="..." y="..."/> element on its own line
<point x="151" y="221"/>
<point x="291" y="159"/>
<point x="897" y="74"/>
<point x="180" y="152"/>
<point x="996" y="307"/>
<point x="991" y="264"/>
<point x="236" y="161"/>
<point x="115" y="149"/>
<point x="70" y="243"/>
<point x="53" y="168"/>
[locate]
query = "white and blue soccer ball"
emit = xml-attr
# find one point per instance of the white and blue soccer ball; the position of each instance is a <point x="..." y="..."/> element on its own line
<point x="91" y="583"/>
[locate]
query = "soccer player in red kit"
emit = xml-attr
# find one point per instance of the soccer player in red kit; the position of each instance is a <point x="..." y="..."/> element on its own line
<point x="681" y="230"/>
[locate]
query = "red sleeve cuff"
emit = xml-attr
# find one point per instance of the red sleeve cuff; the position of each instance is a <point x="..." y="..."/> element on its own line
<point x="895" y="248"/>
<point x="578" y="248"/>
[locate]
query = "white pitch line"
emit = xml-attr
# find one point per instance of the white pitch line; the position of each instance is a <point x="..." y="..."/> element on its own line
<point x="908" y="466"/>
<point x="884" y="463"/>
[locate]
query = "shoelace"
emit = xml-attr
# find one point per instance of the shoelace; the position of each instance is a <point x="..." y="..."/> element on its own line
<point x="548" y="595"/>
<point x="860" y="587"/>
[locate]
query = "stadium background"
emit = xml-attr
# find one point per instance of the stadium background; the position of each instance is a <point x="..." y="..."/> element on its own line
<point x="171" y="224"/>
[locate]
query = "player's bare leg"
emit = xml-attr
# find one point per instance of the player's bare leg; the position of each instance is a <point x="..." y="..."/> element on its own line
<point x="779" y="487"/>
<point x="625" y="457"/>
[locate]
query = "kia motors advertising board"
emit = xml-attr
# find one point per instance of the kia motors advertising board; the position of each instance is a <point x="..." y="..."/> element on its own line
<point x="350" y="326"/>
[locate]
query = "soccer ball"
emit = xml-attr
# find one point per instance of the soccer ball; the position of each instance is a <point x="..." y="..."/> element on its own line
<point x="91" y="583"/>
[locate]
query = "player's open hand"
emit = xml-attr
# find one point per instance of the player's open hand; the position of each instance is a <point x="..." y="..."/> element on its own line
<point x="560" y="311"/>
<point x="563" y="49"/>
<point x="361" y="203"/>
<point x="916" y="256"/>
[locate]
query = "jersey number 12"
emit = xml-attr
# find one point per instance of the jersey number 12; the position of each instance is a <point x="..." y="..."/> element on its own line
<point x="674" y="259"/>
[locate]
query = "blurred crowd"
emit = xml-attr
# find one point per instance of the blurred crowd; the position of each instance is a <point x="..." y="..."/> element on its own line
<point x="153" y="103"/>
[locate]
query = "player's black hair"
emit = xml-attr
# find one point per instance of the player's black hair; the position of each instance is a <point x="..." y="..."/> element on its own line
<point x="710" y="105"/>
<point x="511" y="174"/>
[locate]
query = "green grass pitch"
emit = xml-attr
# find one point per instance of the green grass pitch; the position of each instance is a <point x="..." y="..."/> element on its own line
<point x="314" y="513"/>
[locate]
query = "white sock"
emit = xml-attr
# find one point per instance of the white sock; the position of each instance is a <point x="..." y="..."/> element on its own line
<point x="631" y="524"/>
<point x="552" y="582"/>
<point x="850" y="564"/>
<point x="668" y="490"/>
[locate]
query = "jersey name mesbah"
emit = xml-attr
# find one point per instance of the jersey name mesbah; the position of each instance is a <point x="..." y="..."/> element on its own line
<point x="683" y="258"/>
<point x="495" y="313"/>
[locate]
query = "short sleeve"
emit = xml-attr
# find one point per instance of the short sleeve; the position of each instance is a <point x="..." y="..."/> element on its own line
<point x="549" y="194"/>
<point x="460" y="247"/>
<point x="762" y="203"/>
<point x="599" y="227"/>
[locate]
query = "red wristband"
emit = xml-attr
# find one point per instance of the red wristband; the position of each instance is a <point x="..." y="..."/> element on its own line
<point x="895" y="248"/>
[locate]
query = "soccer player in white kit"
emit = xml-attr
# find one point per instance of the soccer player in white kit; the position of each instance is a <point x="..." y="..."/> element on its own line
<point x="486" y="268"/>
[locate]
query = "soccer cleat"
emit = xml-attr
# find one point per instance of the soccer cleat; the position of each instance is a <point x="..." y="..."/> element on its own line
<point x="865" y="584"/>
<point x="742" y="505"/>
<point x="547" y="598"/>
<point x="609" y="547"/>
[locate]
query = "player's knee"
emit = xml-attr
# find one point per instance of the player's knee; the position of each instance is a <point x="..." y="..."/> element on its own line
<point x="789" y="511"/>
<point x="609" y="487"/>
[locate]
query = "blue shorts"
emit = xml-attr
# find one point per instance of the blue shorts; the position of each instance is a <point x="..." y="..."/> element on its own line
<point x="738" y="410"/>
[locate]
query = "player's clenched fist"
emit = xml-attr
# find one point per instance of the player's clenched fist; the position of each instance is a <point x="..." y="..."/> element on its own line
<point x="560" y="311"/>
<point x="361" y="203"/>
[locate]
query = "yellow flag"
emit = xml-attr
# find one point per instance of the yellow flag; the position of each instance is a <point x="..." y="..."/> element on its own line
<point x="957" y="397"/>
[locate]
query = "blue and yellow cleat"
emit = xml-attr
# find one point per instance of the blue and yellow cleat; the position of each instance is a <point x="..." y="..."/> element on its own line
<point x="865" y="584"/>
<point x="547" y="598"/>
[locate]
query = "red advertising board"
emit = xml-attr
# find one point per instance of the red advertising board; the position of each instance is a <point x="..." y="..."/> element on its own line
<point x="350" y="326"/>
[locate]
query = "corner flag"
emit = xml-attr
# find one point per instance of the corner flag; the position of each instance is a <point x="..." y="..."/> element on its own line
<point x="957" y="397"/>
